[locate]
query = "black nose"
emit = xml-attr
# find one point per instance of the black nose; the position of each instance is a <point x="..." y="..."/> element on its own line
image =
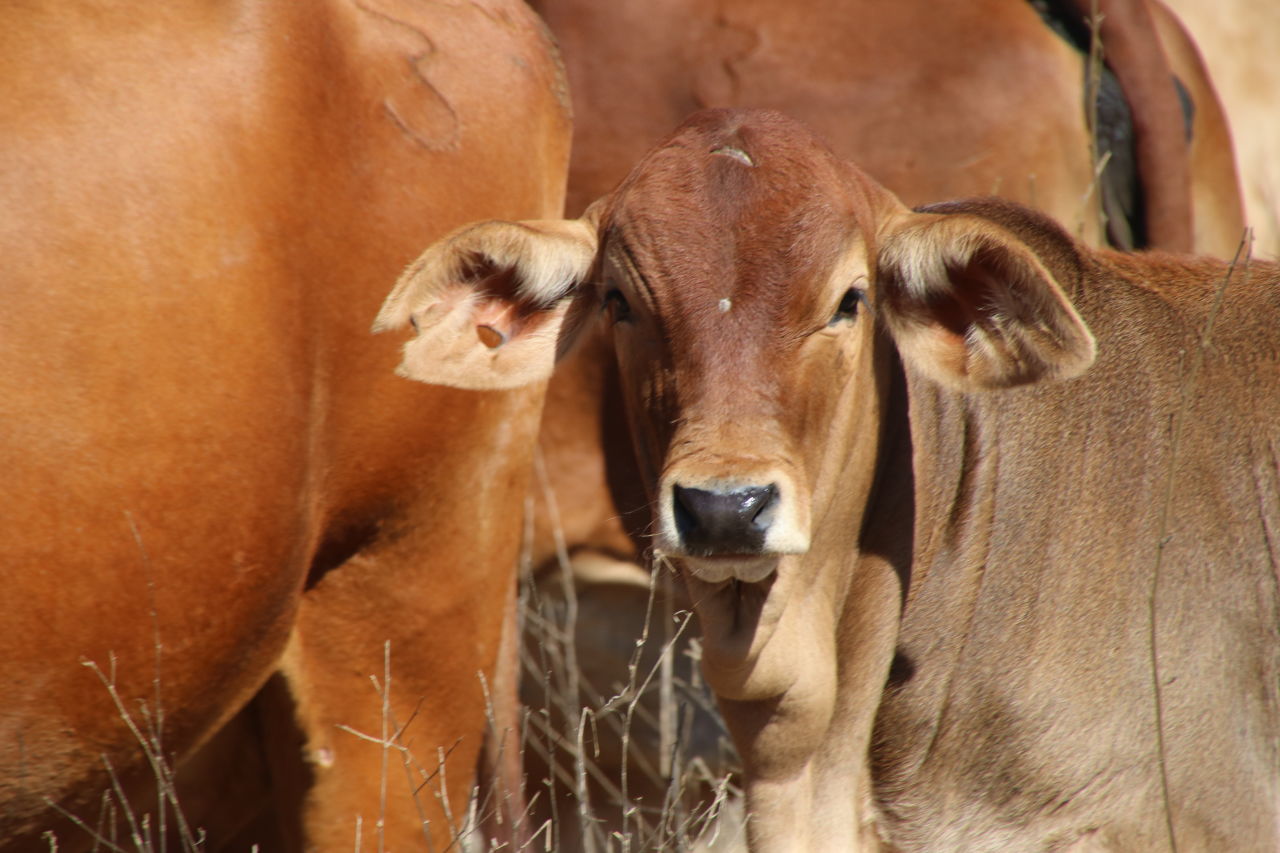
<point x="735" y="522"/>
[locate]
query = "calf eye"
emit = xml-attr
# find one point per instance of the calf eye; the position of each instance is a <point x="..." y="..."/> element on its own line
<point x="848" y="307"/>
<point x="615" y="304"/>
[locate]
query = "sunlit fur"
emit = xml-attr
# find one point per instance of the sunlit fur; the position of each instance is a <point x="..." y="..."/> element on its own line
<point x="207" y="457"/>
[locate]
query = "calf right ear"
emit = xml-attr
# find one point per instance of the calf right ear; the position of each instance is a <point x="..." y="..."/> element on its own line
<point x="488" y="302"/>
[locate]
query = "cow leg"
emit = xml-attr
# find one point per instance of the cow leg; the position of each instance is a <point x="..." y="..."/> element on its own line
<point x="225" y="790"/>
<point x="384" y="669"/>
<point x="1215" y="183"/>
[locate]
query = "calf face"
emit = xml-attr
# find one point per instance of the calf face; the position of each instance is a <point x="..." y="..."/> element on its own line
<point x="733" y="265"/>
<point x="742" y="269"/>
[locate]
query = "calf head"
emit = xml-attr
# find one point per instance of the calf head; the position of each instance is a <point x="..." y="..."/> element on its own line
<point x="754" y="285"/>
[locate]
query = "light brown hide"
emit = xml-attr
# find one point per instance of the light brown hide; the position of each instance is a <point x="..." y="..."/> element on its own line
<point x="1068" y="585"/>
<point x="206" y="454"/>
<point x="1093" y="599"/>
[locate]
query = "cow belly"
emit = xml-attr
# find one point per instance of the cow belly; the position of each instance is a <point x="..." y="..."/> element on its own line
<point x="123" y="599"/>
<point x="154" y="530"/>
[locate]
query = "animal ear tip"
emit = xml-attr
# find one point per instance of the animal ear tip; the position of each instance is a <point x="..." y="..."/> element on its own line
<point x="1084" y="356"/>
<point x="390" y="317"/>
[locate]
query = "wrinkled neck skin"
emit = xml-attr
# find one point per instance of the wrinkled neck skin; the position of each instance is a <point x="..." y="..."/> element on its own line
<point x="798" y="660"/>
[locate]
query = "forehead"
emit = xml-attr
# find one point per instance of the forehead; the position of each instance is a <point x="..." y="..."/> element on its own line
<point x="735" y="203"/>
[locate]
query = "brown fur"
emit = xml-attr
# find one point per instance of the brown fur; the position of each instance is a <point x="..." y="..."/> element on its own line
<point x="1039" y="486"/>
<point x="206" y="454"/>
<point x="896" y="87"/>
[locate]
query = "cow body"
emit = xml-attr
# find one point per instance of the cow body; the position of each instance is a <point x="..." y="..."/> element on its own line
<point x="208" y="461"/>
<point x="977" y="98"/>
<point x="979" y="523"/>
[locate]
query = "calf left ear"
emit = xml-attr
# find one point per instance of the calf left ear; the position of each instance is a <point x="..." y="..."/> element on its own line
<point x="973" y="307"/>
<point x="488" y="302"/>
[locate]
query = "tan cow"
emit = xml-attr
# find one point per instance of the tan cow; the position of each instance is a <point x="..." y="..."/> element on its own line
<point x="210" y="472"/>
<point x="981" y="524"/>
<point x="934" y="100"/>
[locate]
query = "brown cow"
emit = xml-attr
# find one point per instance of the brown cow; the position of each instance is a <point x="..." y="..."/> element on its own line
<point x="210" y="472"/>
<point x="847" y="422"/>
<point x="934" y="100"/>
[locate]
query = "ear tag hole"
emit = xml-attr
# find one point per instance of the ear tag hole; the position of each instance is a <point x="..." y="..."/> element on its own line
<point x="491" y="337"/>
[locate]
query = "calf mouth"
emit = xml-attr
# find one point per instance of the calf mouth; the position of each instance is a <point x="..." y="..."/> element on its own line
<point x="725" y="568"/>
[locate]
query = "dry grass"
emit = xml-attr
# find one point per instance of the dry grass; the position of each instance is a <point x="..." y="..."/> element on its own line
<point x="120" y="827"/>
<point x="622" y="746"/>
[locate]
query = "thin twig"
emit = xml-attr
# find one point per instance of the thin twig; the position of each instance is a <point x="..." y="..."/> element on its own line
<point x="95" y="834"/>
<point x="1163" y="536"/>
<point x="155" y="724"/>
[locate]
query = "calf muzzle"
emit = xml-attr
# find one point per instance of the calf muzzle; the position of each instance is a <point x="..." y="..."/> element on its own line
<point x="722" y="523"/>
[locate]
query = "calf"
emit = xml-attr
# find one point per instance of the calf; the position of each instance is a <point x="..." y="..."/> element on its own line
<point x="948" y="602"/>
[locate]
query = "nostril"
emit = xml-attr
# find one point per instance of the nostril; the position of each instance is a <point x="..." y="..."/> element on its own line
<point x="686" y="519"/>
<point x="761" y="503"/>
<point x="724" y="522"/>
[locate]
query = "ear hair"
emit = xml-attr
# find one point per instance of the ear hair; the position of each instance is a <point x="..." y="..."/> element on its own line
<point x="973" y="306"/>
<point x="546" y="259"/>
<point x="488" y="302"/>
